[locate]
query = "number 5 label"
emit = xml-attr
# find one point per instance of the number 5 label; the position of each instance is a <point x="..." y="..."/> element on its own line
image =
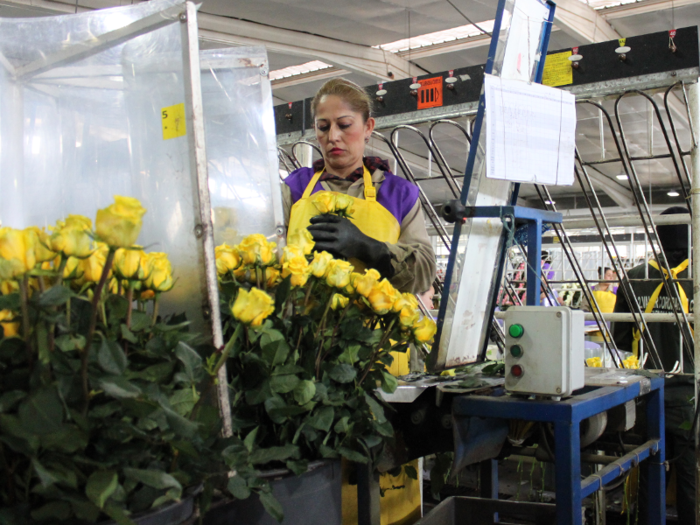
<point x="173" y="120"/>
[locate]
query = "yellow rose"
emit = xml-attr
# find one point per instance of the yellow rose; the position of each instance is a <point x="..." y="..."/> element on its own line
<point x="252" y="307"/>
<point x="72" y="237"/>
<point x="147" y="295"/>
<point x="594" y="362"/>
<point x="256" y="250"/>
<point x="93" y="266"/>
<point x="382" y="297"/>
<point x="344" y="203"/>
<point x="290" y="252"/>
<point x="298" y="268"/>
<point x="407" y="308"/>
<point x="41" y="243"/>
<point x="8" y="287"/>
<point x="272" y="276"/>
<point x="364" y="283"/>
<point x="320" y="263"/>
<point x="119" y="224"/>
<point x="10" y="328"/>
<point x="17" y="249"/>
<point x="72" y="269"/>
<point x="339" y="301"/>
<point x="227" y="259"/>
<point x="302" y="238"/>
<point x="339" y="273"/>
<point x="161" y="275"/>
<point x="424" y="330"/>
<point x="324" y="201"/>
<point x="132" y="264"/>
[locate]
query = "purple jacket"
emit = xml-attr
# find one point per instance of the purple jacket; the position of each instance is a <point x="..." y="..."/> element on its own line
<point x="396" y="194"/>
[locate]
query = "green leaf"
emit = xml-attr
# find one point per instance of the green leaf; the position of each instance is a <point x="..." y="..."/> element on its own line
<point x="376" y="408"/>
<point x="111" y="357"/>
<point x="282" y="292"/>
<point x="56" y="511"/>
<point x="183" y="401"/>
<point x="191" y="360"/>
<point x="10" y="302"/>
<point x="686" y="425"/>
<point x="352" y="455"/>
<point x="155" y="373"/>
<point x="272" y="506"/>
<point x="343" y="373"/>
<point x="284" y="384"/>
<point x="341" y="427"/>
<point x="42" y="342"/>
<point x="299" y="467"/>
<point x="153" y="478"/>
<point x="349" y="355"/>
<point x="184" y="427"/>
<point x="56" y="296"/>
<point x="42" y="413"/>
<point x="249" y="440"/>
<point x="262" y="456"/>
<point x="322" y="419"/>
<point x="281" y="413"/>
<point x="128" y="334"/>
<point x="9" y="399"/>
<point x="117" y="514"/>
<point x="84" y="509"/>
<point x="238" y="487"/>
<point x="304" y="391"/>
<point x="46" y="477"/>
<point x="69" y="439"/>
<point x="274" y="347"/>
<point x="410" y="471"/>
<point x="389" y="382"/>
<point x="116" y="306"/>
<point x="100" y="486"/>
<point x="272" y="406"/>
<point x="140" y="321"/>
<point x="287" y="369"/>
<point x="118" y="387"/>
<point x="259" y="395"/>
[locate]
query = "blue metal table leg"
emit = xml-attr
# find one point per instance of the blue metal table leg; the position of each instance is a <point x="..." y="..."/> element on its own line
<point x="656" y="481"/>
<point x="568" y="472"/>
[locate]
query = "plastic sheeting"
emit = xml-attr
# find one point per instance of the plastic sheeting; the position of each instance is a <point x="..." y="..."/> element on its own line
<point x="76" y="131"/>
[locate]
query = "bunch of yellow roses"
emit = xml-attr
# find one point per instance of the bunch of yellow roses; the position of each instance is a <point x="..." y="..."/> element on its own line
<point x="254" y="261"/>
<point x="33" y="258"/>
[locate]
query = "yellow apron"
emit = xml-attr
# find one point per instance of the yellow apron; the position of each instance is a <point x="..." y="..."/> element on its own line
<point x="636" y="334"/>
<point x="605" y="299"/>
<point x="398" y="506"/>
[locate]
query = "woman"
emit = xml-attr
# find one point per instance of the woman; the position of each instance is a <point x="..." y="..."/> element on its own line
<point x="386" y="232"/>
<point x="387" y="229"/>
<point x="605" y="294"/>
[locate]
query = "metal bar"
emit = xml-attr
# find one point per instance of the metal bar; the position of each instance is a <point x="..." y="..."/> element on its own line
<point x="644" y="157"/>
<point x="368" y="495"/>
<point x="81" y="50"/>
<point x="676" y="140"/>
<point x="614" y="222"/>
<point x="656" y="479"/>
<point x="568" y="472"/>
<point x="618" y="467"/>
<point x="198" y="167"/>
<point x="534" y="265"/>
<point x="623" y="317"/>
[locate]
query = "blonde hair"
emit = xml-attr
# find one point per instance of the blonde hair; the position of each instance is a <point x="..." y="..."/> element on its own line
<point x="355" y="96"/>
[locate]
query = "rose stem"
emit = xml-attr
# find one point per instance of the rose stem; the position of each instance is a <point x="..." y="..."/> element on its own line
<point x="25" y="319"/>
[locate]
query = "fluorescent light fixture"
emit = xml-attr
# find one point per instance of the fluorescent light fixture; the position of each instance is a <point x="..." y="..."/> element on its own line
<point x="438" y="37"/>
<point x="301" y="69"/>
<point x="673" y="194"/>
<point x="622" y="176"/>
<point x="550" y="202"/>
<point x="603" y="4"/>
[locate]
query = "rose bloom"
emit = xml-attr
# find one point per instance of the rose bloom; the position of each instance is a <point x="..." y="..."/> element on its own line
<point x="320" y="263"/>
<point x="72" y="269"/>
<point x="252" y="307"/>
<point x="128" y="264"/>
<point x="227" y="259"/>
<point x="364" y="283"/>
<point x="339" y="272"/>
<point x="272" y="276"/>
<point x="424" y="330"/>
<point x="93" y="266"/>
<point x="119" y="224"/>
<point x="72" y="237"/>
<point x="298" y="268"/>
<point x="17" y="249"/>
<point x="344" y="203"/>
<point x="8" y="287"/>
<point x="339" y="301"/>
<point x="10" y="328"/>
<point x="290" y="252"/>
<point x="382" y="297"/>
<point x="324" y="201"/>
<point x="41" y="243"/>
<point x="302" y="238"/>
<point x="161" y="276"/>
<point x="255" y="249"/>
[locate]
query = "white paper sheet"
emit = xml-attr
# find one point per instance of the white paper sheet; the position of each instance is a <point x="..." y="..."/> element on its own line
<point x="524" y="38"/>
<point x="531" y="131"/>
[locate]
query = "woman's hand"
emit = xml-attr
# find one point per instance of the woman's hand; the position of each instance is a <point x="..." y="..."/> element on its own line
<point x="341" y="238"/>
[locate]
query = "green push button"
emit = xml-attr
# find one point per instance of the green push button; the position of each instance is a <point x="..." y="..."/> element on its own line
<point x="516" y="330"/>
<point x="516" y="350"/>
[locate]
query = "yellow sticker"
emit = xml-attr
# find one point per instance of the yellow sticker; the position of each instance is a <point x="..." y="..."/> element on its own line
<point x="173" y="121"/>
<point x="622" y="41"/>
<point x="558" y="70"/>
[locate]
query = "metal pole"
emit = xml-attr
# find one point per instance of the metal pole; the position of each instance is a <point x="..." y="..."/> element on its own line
<point x="694" y="107"/>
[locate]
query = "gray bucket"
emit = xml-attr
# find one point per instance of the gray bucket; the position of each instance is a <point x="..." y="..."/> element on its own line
<point x="312" y="498"/>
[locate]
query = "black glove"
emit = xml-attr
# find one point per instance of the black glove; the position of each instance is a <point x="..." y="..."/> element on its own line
<point x="341" y="238"/>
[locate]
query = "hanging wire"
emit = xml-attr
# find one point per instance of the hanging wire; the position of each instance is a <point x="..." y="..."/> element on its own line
<point x="468" y="19"/>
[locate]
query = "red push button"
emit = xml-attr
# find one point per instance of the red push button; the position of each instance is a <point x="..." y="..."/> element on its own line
<point x="516" y="370"/>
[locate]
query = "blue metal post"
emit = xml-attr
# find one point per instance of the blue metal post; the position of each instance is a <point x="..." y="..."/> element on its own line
<point x="656" y="480"/>
<point x="534" y="256"/>
<point x="568" y="472"/>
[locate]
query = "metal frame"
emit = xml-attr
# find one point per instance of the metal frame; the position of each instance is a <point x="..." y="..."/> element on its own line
<point x="566" y="415"/>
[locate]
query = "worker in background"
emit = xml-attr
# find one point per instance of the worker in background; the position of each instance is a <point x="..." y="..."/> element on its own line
<point x="653" y="297"/>
<point x="386" y="232"/>
<point x="605" y="293"/>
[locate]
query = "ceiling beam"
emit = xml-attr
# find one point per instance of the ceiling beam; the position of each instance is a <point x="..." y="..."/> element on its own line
<point x="583" y="22"/>
<point x="641" y="8"/>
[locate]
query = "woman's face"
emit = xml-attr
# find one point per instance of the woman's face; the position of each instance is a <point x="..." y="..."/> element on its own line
<point x="341" y="132"/>
<point x="610" y="275"/>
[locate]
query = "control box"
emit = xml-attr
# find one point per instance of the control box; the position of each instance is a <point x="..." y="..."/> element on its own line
<point x="544" y="350"/>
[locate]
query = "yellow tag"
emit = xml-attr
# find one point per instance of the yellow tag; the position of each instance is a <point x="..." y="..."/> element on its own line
<point x="558" y="70"/>
<point x="173" y="121"/>
<point x="622" y="41"/>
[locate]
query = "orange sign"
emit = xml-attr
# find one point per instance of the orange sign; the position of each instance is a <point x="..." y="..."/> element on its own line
<point x="430" y="93"/>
